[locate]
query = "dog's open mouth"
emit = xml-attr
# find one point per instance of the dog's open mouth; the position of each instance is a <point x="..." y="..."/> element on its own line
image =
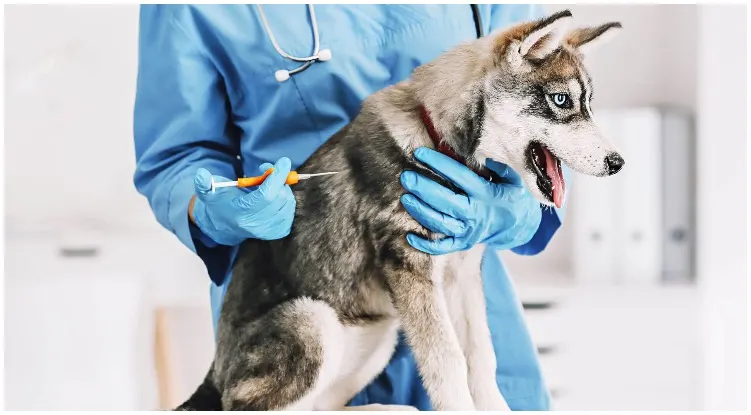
<point x="549" y="173"/>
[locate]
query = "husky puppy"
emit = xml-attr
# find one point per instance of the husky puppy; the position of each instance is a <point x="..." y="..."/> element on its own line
<point x="310" y="320"/>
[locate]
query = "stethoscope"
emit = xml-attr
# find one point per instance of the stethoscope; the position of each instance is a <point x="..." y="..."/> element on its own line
<point x="323" y="55"/>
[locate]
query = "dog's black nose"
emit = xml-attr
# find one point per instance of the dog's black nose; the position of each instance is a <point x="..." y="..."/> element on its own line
<point x="614" y="162"/>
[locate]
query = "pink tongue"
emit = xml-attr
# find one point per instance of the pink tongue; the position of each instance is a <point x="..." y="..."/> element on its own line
<point x="556" y="177"/>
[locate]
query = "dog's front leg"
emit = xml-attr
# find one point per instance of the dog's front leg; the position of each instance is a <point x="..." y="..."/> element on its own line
<point x="468" y="310"/>
<point x="421" y="306"/>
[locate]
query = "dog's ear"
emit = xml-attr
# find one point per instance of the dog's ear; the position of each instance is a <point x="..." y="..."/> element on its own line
<point x="532" y="40"/>
<point x="545" y="36"/>
<point x="587" y="39"/>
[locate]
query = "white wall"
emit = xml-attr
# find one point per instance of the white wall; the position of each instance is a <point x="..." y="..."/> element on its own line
<point x="722" y="214"/>
<point x="70" y="86"/>
<point x="644" y="64"/>
<point x="70" y="74"/>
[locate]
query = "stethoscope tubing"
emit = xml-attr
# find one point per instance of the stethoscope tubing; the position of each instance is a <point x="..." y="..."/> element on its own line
<point x="316" y="56"/>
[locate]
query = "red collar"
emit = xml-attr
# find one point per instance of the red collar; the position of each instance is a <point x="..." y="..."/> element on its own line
<point x="441" y="145"/>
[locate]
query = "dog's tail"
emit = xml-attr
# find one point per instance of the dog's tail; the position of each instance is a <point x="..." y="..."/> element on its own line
<point x="206" y="398"/>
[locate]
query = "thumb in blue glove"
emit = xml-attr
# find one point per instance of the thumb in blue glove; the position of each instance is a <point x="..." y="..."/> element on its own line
<point x="229" y="215"/>
<point x="502" y="215"/>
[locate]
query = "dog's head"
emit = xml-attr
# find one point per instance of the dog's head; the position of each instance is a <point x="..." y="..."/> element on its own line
<point x="537" y="105"/>
<point x="521" y="96"/>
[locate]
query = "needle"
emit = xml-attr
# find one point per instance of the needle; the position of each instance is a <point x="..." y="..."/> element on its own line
<point x="292" y="178"/>
<point x="303" y="176"/>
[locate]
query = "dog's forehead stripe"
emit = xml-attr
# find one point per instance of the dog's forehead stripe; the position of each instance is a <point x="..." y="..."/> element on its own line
<point x="586" y="86"/>
<point x="575" y="88"/>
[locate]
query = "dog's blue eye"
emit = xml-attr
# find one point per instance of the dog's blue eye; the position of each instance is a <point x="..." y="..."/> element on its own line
<point x="561" y="100"/>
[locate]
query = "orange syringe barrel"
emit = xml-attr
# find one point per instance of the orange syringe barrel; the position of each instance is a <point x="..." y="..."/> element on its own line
<point x="292" y="178"/>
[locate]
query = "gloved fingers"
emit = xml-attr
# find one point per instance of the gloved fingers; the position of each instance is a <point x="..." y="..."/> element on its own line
<point x="270" y="188"/>
<point x="435" y="247"/>
<point x="202" y="184"/>
<point x="269" y="222"/>
<point x="202" y="181"/>
<point x="267" y="209"/>
<point x="435" y="195"/>
<point x="506" y="193"/>
<point x="431" y="218"/>
<point x="287" y="213"/>
<point x="265" y="166"/>
<point x="284" y="200"/>
<point x="525" y="224"/>
<point x="273" y="184"/>
<point x="280" y="224"/>
<point x="283" y="205"/>
<point x="454" y="171"/>
<point x="506" y="173"/>
<point x="527" y="227"/>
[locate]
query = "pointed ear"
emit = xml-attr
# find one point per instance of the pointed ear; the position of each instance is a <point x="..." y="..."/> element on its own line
<point x="545" y="35"/>
<point x="588" y="39"/>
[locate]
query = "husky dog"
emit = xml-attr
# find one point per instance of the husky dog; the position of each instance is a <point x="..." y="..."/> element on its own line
<point x="310" y="320"/>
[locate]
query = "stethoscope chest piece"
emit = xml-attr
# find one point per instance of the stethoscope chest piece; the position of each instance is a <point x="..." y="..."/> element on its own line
<point x="283" y="74"/>
<point x="323" y="55"/>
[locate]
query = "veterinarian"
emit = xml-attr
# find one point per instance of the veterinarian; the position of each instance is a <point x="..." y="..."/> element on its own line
<point x="216" y="91"/>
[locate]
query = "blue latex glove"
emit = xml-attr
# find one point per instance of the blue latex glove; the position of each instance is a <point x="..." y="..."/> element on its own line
<point x="502" y="215"/>
<point x="231" y="214"/>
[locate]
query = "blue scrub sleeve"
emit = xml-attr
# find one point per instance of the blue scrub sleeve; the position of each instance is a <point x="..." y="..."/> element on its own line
<point x="180" y="123"/>
<point x="518" y="372"/>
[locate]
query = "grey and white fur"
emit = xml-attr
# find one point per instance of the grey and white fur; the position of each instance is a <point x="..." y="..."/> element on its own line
<point x="309" y="320"/>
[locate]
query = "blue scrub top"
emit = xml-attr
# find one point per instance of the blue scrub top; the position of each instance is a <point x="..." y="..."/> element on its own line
<point x="207" y="97"/>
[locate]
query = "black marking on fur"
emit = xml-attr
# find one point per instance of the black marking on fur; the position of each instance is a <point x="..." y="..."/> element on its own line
<point x="594" y="33"/>
<point x="469" y="129"/>
<point x="583" y="98"/>
<point x="590" y="89"/>
<point x="569" y="119"/>
<point x="296" y="359"/>
<point x="205" y="398"/>
<point x="536" y="62"/>
<point x="551" y="19"/>
<point x="539" y="105"/>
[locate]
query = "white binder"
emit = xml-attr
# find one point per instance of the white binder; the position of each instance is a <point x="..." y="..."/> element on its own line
<point x="636" y="227"/>
<point x="592" y="216"/>
<point x="638" y="188"/>
<point x="679" y="196"/>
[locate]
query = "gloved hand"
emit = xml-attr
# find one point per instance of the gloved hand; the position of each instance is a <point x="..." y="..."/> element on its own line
<point x="231" y="214"/>
<point x="502" y="215"/>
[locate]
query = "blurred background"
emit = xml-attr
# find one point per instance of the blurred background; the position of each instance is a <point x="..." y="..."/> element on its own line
<point x="638" y="303"/>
